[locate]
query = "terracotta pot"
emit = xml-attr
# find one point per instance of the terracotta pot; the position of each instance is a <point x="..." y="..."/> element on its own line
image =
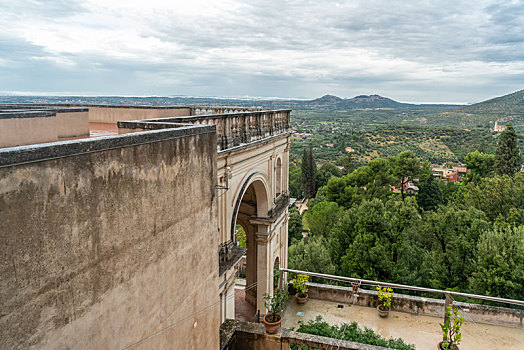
<point x="291" y="289"/>
<point x="272" y="327"/>
<point x="382" y="313"/>
<point x="301" y="300"/>
<point x="440" y="348"/>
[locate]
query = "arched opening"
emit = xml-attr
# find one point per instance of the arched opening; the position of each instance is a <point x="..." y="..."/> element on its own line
<point x="278" y="177"/>
<point x="276" y="274"/>
<point x="252" y="203"/>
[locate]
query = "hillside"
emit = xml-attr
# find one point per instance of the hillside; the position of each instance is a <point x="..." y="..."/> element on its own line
<point x="507" y="104"/>
<point x="502" y="109"/>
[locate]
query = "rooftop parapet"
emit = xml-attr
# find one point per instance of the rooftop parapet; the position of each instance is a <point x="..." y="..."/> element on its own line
<point x="233" y="129"/>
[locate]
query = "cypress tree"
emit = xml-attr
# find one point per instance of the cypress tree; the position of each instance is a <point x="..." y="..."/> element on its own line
<point x="507" y="156"/>
<point x="308" y="168"/>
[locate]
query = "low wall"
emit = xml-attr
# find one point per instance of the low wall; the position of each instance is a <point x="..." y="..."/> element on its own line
<point x="236" y="335"/>
<point x="110" y="242"/>
<point x="113" y="114"/>
<point x="32" y="127"/>
<point x="420" y="306"/>
<point x="72" y="124"/>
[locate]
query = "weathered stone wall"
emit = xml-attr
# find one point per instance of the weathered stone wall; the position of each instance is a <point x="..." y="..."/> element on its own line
<point x="101" y="250"/>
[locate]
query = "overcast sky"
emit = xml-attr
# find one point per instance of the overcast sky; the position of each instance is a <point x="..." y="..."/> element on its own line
<point x="414" y="51"/>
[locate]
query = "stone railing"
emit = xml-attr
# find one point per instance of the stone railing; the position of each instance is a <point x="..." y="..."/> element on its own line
<point x="233" y="129"/>
<point x="203" y="110"/>
<point x="236" y="335"/>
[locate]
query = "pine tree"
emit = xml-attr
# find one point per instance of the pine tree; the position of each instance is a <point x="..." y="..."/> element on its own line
<point x="507" y="156"/>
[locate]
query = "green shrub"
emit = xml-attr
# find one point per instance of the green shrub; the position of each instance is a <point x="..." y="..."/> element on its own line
<point x="350" y="332"/>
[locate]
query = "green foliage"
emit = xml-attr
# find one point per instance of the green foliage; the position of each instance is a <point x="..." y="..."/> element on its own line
<point x="499" y="262"/>
<point x="295" y="227"/>
<point x="480" y="165"/>
<point x="371" y="181"/>
<point x="429" y="195"/>
<point x="350" y="332"/>
<point x="508" y="157"/>
<point x="451" y="329"/>
<point x="308" y="168"/>
<point x="384" y="295"/>
<point x="322" y="216"/>
<point x="310" y="254"/>
<point x="450" y="236"/>
<point x="376" y="238"/>
<point x="326" y="172"/>
<point x="275" y="304"/>
<point x="241" y="236"/>
<point x="405" y="166"/>
<point x="497" y="196"/>
<point x="360" y="228"/>
<point x="295" y="181"/>
<point x="347" y="163"/>
<point x="300" y="284"/>
<point x="276" y="276"/>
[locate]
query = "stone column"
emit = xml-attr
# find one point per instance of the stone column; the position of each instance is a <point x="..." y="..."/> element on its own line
<point x="263" y="265"/>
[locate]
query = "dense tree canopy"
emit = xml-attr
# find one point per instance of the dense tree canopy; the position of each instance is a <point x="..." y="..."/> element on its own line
<point x="480" y="165"/>
<point x="468" y="237"/>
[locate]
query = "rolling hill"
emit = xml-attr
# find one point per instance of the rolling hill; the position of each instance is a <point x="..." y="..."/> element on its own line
<point x="506" y="105"/>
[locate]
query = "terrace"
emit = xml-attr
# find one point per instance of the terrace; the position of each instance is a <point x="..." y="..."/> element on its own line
<point x="415" y="319"/>
<point x="31" y="124"/>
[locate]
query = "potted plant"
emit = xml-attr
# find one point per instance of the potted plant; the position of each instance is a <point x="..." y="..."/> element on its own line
<point x="384" y="296"/>
<point x="300" y="284"/>
<point x="274" y="305"/>
<point x="451" y="330"/>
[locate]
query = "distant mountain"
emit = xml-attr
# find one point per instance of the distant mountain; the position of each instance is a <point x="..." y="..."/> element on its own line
<point x="362" y="101"/>
<point x="326" y="102"/>
<point x="512" y="104"/>
<point x="327" y="99"/>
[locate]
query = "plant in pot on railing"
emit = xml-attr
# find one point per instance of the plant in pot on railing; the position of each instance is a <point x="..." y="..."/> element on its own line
<point x="384" y="297"/>
<point x="275" y="305"/>
<point x="451" y="330"/>
<point x="300" y="284"/>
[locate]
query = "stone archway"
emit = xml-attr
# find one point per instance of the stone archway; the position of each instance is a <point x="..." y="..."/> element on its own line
<point x="251" y="204"/>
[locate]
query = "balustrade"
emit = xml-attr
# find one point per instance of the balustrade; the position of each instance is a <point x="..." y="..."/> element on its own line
<point x="233" y="129"/>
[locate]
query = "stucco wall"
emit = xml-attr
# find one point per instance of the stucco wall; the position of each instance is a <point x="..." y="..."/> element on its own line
<point x="114" y="114"/>
<point x="72" y="124"/>
<point x="39" y="127"/>
<point x="101" y="250"/>
<point x="25" y="131"/>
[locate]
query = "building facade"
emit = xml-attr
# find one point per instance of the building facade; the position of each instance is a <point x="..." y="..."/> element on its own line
<point x="127" y="241"/>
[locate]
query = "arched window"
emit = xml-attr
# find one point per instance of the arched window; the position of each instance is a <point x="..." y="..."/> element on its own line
<point x="278" y="177"/>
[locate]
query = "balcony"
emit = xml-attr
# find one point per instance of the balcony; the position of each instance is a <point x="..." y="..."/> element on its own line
<point x="233" y="128"/>
<point x="414" y="319"/>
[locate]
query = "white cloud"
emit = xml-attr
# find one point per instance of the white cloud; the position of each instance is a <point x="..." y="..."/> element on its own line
<point x="436" y="50"/>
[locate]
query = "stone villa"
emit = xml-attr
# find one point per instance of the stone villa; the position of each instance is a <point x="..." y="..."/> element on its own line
<point x="127" y="240"/>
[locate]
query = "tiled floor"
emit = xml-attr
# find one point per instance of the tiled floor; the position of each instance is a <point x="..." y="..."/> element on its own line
<point x="243" y="310"/>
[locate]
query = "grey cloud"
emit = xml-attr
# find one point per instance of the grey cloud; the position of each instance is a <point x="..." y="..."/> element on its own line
<point x="296" y="48"/>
